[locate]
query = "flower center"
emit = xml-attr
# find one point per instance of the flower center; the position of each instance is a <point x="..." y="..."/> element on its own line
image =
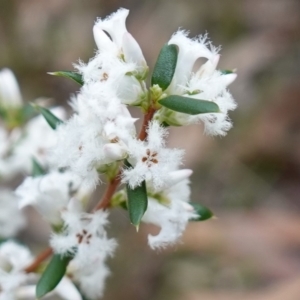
<point x="150" y="158"/>
<point x="104" y="77"/>
<point x="83" y="237"/>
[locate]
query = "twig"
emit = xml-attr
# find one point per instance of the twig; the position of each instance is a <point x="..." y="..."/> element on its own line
<point x="43" y="256"/>
<point x="110" y="190"/>
<point x="114" y="183"/>
<point x="147" y="118"/>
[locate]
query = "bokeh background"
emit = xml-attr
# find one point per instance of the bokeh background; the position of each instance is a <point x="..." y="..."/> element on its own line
<point x="250" y="178"/>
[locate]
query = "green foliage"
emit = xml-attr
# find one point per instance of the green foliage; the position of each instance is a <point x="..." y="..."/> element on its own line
<point x="16" y="116"/>
<point x="165" y="66"/>
<point x="69" y="74"/>
<point x="51" y="119"/>
<point x="137" y="203"/>
<point x="225" y="72"/>
<point x="53" y="274"/>
<point x="37" y="169"/>
<point x="203" y="212"/>
<point x="189" y="105"/>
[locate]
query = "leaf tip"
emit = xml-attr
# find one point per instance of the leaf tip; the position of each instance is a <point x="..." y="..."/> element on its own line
<point x="33" y="105"/>
<point x="39" y="294"/>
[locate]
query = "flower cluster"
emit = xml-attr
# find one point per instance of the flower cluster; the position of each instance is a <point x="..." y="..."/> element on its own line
<point x="99" y="142"/>
<point x="85" y="239"/>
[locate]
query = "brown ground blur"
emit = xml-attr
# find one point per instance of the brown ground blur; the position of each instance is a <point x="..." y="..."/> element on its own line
<point x="250" y="178"/>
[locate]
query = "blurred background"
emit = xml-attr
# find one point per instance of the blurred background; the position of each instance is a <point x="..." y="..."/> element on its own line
<point x="250" y="178"/>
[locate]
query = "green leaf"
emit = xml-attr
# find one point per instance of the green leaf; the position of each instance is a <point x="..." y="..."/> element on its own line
<point x="37" y="169"/>
<point x="3" y="240"/>
<point x="189" y="105"/>
<point x="137" y="200"/>
<point x="165" y="124"/>
<point x="225" y="72"/>
<point x="53" y="274"/>
<point x="69" y="74"/>
<point x="51" y="119"/>
<point x="137" y="203"/>
<point x="28" y="112"/>
<point x="165" y="66"/>
<point x="203" y="212"/>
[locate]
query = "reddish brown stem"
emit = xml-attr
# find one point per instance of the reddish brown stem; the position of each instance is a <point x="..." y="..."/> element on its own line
<point x="147" y="118"/>
<point x="110" y="190"/>
<point x="113" y="185"/>
<point x="43" y="256"/>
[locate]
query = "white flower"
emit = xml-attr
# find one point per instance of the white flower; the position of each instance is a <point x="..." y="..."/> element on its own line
<point x="189" y="52"/>
<point x="205" y="84"/>
<point x="102" y="103"/>
<point x="15" y="283"/>
<point x="19" y="146"/>
<point x="171" y="211"/>
<point x="119" y="76"/>
<point x="10" y="95"/>
<point x="49" y="194"/>
<point x="120" y="43"/>
<point x="91" y="277"/>
<point x="150" y="159"/>
<point x="67" y="290"/>
<point x="84" y="235"/>
<point x="38" y="138"/>
<point x="85" y="238"/>
<point x="78" y="148"/>
<point x="119" y="63"/>
<point x="9" y="207"/>
<point x="13" y="259"/>
<point x="8" y="140"/>
<point x="97" y="135"/>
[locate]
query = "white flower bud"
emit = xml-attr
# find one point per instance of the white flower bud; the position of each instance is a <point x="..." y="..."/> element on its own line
<point x="179" y="175"/>
<point x="10" y="95"/>
<point x="229" y="78"/>
<point x="130" y="91"/>
<point x="66" y="290"/>
<point x="114" y="151"/>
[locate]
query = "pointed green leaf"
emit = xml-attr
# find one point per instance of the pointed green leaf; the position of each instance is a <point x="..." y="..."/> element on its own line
<point x="137" y="203"/>
<point x="203" y="212"/>
<point x="165" y="66"/>
<point x="189" y="105"/>
<point x="225" y="72"/>
<point x="51" y="119"/>
<point x="53" y="274"/>
<point x="69" y="74"/>
<point x="37" y="169"/>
